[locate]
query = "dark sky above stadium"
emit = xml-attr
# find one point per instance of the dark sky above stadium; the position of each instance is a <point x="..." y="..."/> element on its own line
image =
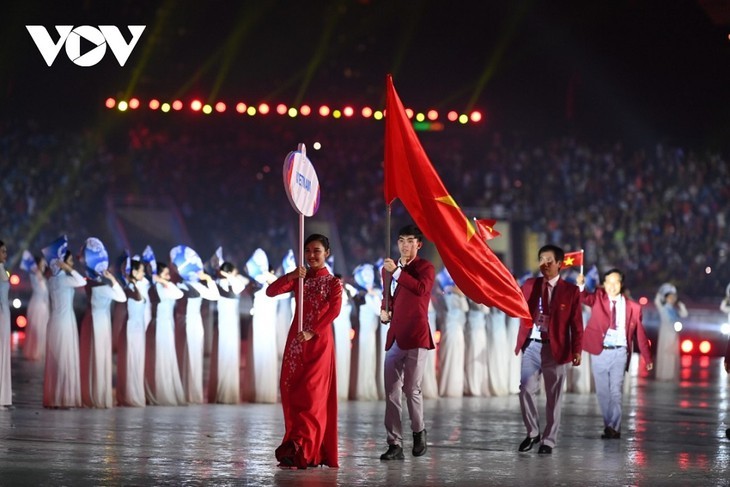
<point x="654" y="68"/>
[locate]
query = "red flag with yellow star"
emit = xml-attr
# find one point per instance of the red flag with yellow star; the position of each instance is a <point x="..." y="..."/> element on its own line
<point x="573" y="258"/>
<point x="486" y="229"/>
<point x="410" y="177"/>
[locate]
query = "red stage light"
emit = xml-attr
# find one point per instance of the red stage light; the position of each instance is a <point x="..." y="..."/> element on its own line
<point x="220" y="107"/>
<point x="476" y="116"/>
<point x="367" y="112"/>
<point x="452" y="116"/>
<point x="305" y="110"/>
<point x="21" y="321"/>
<point x="687" y="346"/>
<point x="134" y="103"/>
<point x="705" y="347"/>
<point x="241" y="107"/>
<point x="324" y="110"/>
<point x="14" y="280"/>
<point x="196" y="105"/>
<point x="177" y="105"/>
<point x="281" y="109"/>
<point x="110" y="103"/>
<point x="348" y="111"/>
<point x="264" y="109"/>
<point x="154" y="104"/>
<point x="409" y="112"/>
<point x="643" y="300"/>
<point x="432" y="115"/>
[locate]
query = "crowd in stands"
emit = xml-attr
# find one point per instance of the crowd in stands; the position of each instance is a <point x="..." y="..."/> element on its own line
<point x="659" y="212"/>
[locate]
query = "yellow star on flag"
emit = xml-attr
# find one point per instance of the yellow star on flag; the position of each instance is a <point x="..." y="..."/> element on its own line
<point x="449" y="200"/>
<point x="568" y="261"/>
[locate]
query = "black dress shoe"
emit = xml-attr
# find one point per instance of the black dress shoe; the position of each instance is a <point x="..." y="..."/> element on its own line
<point x="419" y="443"/>
<point x="545" y="450"/>
<point x="610" y="434"/>
<point x="528" y="443"/>
<point x="394" y="452"/>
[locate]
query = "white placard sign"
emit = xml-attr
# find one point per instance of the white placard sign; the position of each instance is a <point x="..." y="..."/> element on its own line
<point x="301" y="183"/>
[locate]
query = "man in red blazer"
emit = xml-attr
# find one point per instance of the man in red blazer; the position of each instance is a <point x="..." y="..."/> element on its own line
<point x="548" y="343"/>
<point x="408" y="284"/>
<point x="609" y="338"/>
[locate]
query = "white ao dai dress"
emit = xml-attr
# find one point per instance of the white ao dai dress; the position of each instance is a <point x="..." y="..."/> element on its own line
<point x="62" y="377"/>
<point x="96" y="346"/>
<point x="224" y="385"/>
<point x="131" y="347"/>
<point x="163" y="386"/>
<point x="38" y="314"/>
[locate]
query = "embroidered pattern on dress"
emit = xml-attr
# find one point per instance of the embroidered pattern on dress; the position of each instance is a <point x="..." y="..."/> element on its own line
<point x="316" y="294"/>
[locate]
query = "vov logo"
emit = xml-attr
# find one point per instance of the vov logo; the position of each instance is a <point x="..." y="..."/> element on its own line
<point x="71" y="36"/>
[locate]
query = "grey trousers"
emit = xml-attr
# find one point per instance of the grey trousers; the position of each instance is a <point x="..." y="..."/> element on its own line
<point x="608" y="374"/>
<point x="403" y="373"/>
<point x="538" y="359"/>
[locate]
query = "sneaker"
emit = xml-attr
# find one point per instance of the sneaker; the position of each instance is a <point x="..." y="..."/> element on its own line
<point x="419" y="443"/>
<point x="394" y="452"/>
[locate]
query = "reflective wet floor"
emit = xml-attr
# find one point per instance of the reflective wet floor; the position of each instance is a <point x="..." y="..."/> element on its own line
<point x="673" y="434"/>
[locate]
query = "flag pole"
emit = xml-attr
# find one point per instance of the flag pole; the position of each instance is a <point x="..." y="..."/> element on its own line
<point x="300" y="295"/>
<point x="581" y="261"/>
<point x="386" y="285"/>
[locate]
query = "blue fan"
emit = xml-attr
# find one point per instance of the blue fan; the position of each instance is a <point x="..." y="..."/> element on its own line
<point x="187" y="261"/>
<point x="364" y="276"/>
<point x="289" y="262"/>
<point x="54" y="253"/>
<point x="257" y="266"/>
<point x="444" y="279"/>
<point x="148" y="257"/>
<point x="95" y="257"/>
<point x="27" y="262"/>
<point x="592" y="279"/>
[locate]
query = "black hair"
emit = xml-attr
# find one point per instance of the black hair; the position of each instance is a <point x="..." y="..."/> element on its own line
<point x="411" y="230"/>
<point x="614" y="271"/>
<point x="67" y="255"/>
<point x="227" y="267"/>
<point x="557" y="252"/>
<point x="318" y="237"/>
<point x="135" y="265"/>
<point x="161" y="266"/>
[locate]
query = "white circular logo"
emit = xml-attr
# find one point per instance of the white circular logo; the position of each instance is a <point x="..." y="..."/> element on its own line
<point x="301" y="183"/>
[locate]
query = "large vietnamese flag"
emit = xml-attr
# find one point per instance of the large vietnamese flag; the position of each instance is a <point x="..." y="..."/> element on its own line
<point x="410" y="177"/>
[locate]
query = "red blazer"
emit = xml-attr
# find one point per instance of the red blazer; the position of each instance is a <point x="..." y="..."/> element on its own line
<point x="409" y="304"/>
<point x="566" y="320"/>
<point x="600" y="320"/>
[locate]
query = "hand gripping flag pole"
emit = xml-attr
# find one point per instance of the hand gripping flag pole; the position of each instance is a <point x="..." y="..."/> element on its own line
<point x="302" y="188"/>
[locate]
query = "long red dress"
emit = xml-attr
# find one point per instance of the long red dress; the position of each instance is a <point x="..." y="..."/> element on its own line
<point x="308" y="382"/>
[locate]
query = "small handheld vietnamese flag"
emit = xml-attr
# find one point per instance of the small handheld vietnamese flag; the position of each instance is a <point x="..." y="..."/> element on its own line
<point x="573" y="259"/>
<point x="486" y="228"/>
